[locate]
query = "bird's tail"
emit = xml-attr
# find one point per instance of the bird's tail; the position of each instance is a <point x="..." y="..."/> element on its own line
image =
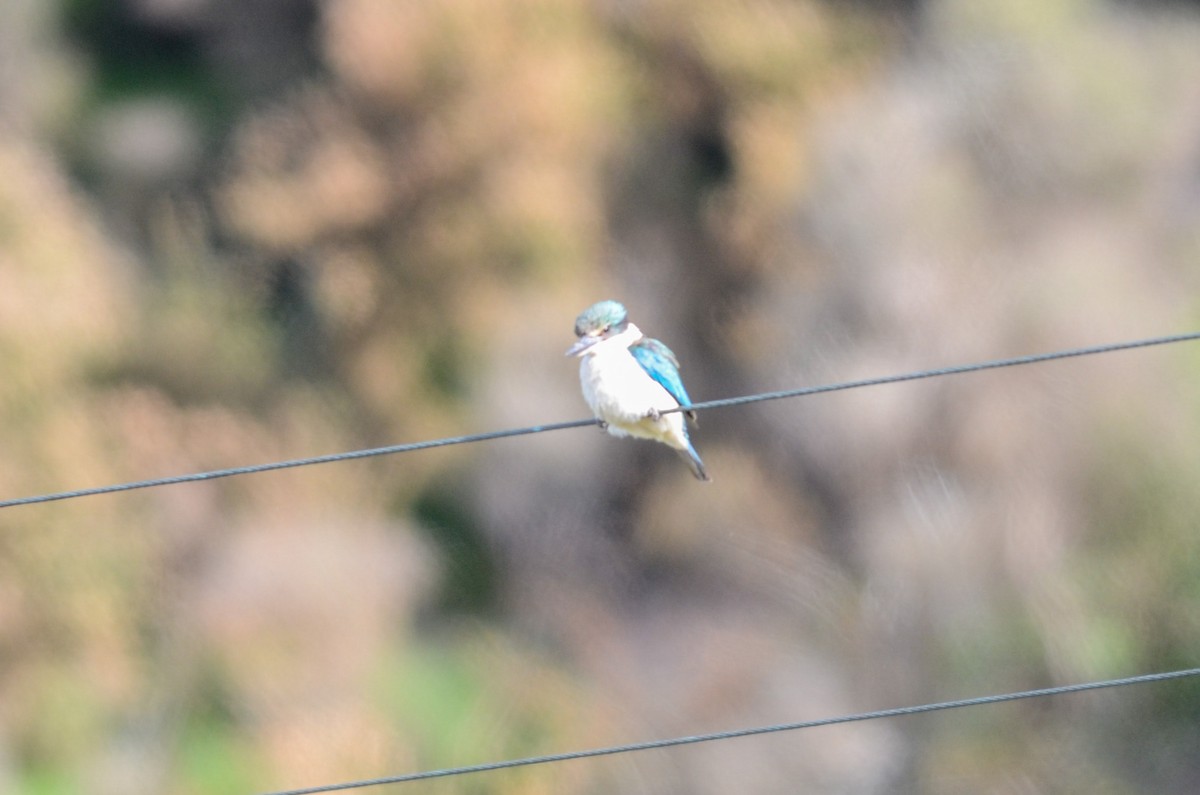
<point x="689" y="455"/>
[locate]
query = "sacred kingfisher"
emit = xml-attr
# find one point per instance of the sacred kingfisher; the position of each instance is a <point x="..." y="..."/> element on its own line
<point x="629" y="379"/>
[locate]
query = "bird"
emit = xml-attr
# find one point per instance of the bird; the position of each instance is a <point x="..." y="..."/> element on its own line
<point x="629" y="380"/>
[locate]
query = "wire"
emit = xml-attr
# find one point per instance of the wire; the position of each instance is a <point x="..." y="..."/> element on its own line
<point x="297" y="462"/>
<point x="938" y="371"/>
<point x="558" y="426"/>
<point x="728" y="735"/>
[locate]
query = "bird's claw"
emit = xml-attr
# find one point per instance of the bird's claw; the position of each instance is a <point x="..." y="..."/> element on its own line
<point x="602" y="425"/>
<point x="654" y="415"/>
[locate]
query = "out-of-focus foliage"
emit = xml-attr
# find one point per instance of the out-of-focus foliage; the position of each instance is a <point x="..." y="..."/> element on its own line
<point x="235" y="231"/>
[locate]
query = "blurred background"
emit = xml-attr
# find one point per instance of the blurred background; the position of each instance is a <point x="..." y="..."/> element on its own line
<point x="237" y="231"/>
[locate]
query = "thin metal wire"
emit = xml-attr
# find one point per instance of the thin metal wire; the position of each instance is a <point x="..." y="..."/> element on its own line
<point x="297" y="462"/>
<point x="710" y="404"/>
<point x="940" y="371"/>
<point x="729" y="735"/>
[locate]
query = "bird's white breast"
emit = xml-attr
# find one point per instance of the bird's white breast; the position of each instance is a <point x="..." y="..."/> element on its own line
<point x="622" y="394"/>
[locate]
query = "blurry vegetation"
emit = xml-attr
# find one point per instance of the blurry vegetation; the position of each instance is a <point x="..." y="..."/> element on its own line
<point x="236" y="232"/>
<point x="469" y="568"/>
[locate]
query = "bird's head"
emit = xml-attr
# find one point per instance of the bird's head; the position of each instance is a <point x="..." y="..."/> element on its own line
<point x="598" y="322"/>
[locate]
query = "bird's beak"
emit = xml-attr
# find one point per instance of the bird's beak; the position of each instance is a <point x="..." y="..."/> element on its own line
<point x="582" y="345"/>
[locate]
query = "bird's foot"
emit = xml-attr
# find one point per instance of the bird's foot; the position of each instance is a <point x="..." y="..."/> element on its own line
<point x="654" y="415"/>
<point x="602" y="425"/>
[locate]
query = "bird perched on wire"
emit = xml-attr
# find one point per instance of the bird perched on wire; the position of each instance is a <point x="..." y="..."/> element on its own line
<point x="629" y="380"/>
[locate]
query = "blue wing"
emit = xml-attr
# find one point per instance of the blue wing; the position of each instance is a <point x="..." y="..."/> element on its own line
<point x="661" y="365"/>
